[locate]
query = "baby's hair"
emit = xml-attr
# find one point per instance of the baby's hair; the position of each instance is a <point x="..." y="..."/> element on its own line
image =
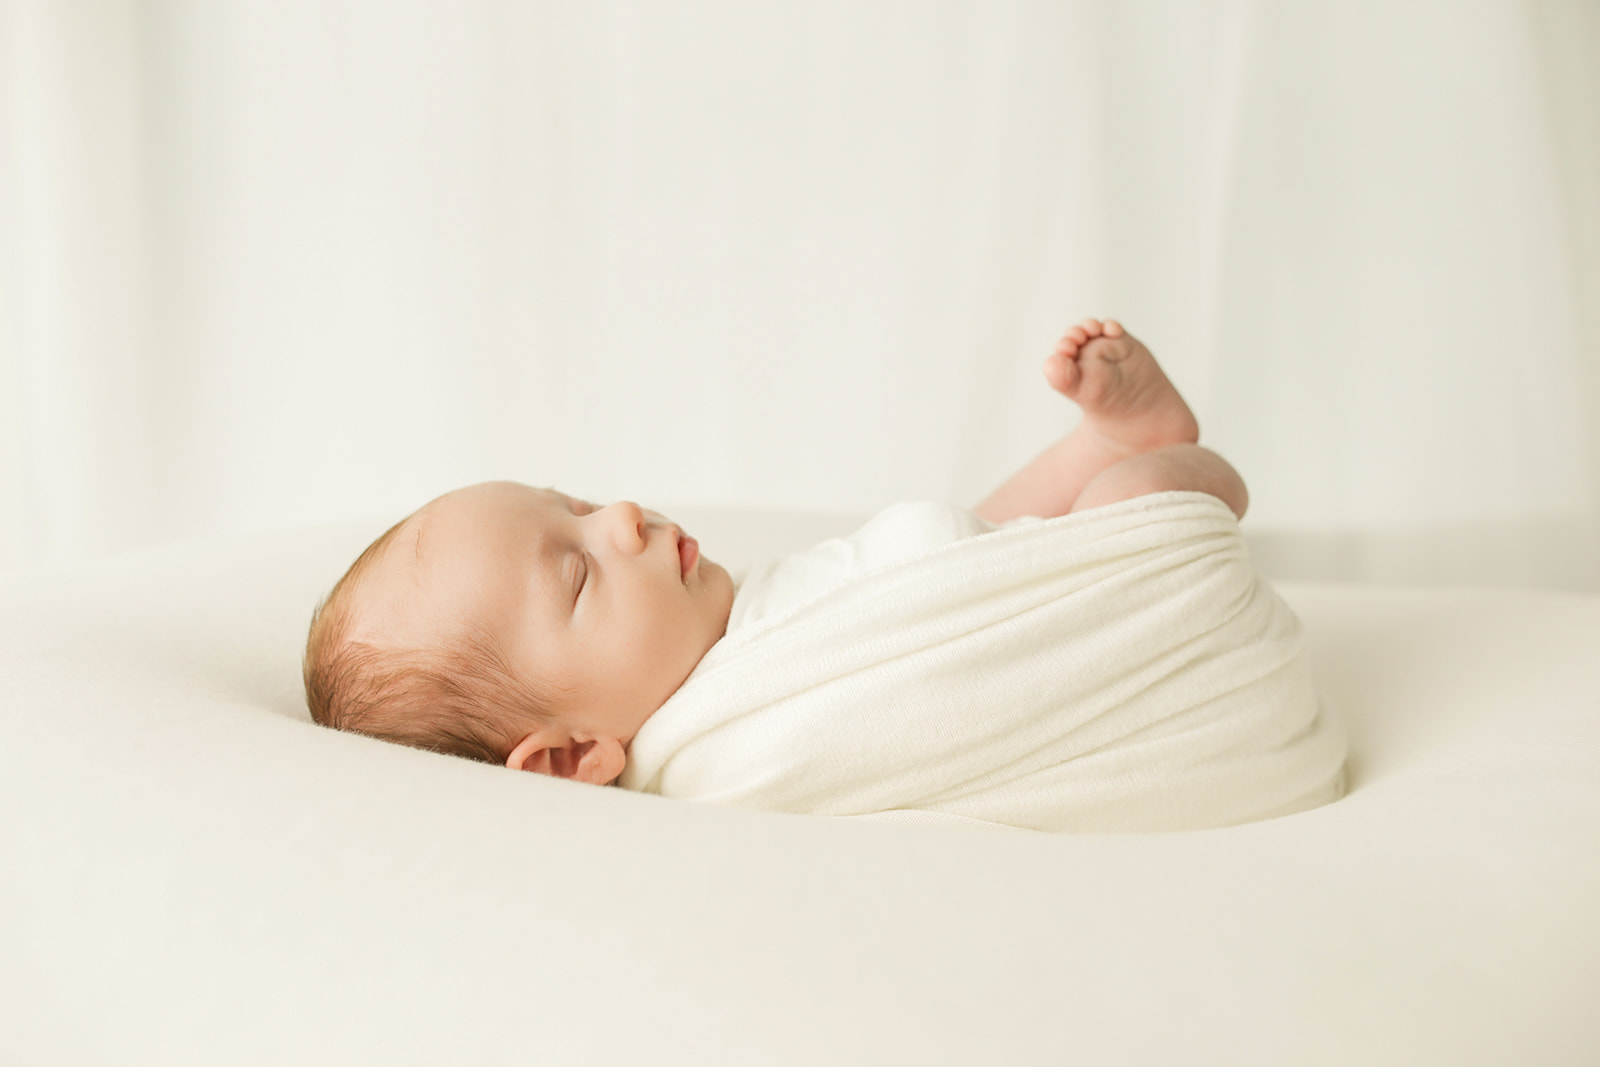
<point x="460" y="699"/>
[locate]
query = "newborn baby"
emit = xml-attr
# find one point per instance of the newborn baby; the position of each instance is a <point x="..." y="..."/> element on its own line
<point x="516" y="625"/>
<point x="529" y="628"/>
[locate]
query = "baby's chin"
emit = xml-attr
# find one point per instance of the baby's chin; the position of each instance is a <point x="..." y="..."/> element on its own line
<point x="719" y="584"/>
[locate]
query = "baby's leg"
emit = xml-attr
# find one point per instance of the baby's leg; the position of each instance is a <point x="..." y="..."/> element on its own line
<point x="1130" y="408"/>
<point x="1175" y="467"/>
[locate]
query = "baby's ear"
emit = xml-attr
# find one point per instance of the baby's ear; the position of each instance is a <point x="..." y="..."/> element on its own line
<point x="600" y="761"/>
<point x="595" y="761"/>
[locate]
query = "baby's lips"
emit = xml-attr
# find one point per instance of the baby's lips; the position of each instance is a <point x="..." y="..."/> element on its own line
<point x="688" y="554"/>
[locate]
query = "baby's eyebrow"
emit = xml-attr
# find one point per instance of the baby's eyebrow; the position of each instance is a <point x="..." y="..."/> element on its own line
<point x="553" y="491"/>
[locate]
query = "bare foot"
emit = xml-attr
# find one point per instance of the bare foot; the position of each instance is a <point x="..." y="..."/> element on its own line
<point x="1127" y="400"/>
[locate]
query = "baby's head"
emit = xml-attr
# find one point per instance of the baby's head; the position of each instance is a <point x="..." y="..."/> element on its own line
<point x="516" y="625"/>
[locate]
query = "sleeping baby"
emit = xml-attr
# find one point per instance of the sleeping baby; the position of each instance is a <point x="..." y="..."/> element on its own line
<point x="1089" y="649"/>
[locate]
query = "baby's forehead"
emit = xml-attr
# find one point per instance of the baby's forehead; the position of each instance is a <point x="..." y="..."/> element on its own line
<point x="486" y="537"/>
<point x="482" y="514"/>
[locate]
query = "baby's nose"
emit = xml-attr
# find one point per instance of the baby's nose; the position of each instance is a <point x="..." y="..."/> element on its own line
<point x="629" y="525"/>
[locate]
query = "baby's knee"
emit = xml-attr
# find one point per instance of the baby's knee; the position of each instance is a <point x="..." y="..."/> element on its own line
<point x="1187" y="468"/>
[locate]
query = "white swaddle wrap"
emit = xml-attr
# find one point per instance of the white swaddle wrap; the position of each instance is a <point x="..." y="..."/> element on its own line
<point x="1123" y="668"/>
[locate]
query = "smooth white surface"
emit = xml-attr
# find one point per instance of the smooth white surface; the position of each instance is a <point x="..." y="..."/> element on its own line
<point x="190" y="874"/>
<point x="283" y="261"/>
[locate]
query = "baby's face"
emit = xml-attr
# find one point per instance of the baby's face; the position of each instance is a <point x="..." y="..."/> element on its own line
<point x="613" y="605"/>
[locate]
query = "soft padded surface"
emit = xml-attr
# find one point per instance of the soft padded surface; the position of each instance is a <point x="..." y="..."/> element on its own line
<point x="190" y="873"/>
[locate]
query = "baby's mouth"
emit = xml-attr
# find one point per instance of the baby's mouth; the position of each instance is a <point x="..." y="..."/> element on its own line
<point x="688" y="554"/>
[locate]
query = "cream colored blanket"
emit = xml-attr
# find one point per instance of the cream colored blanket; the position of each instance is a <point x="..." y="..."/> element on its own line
<point x="1124" y="668"/>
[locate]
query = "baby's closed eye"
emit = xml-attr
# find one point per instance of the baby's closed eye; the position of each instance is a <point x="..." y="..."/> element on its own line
<point x="576" y="571"/>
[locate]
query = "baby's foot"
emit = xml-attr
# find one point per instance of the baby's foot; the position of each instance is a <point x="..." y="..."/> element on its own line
<point x="1126" y="398"/>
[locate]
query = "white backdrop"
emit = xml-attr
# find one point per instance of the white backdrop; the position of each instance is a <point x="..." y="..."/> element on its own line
<point x="269" y="263"/>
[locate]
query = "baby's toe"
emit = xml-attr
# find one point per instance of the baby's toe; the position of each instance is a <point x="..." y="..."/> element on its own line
<point x="1062" y="372"/>
<point x="1114" y="328"/>
<point x="1092" y="327"/>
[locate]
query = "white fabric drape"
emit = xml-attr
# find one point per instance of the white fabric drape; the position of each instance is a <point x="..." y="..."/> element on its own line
<point x="268" y="263"/>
